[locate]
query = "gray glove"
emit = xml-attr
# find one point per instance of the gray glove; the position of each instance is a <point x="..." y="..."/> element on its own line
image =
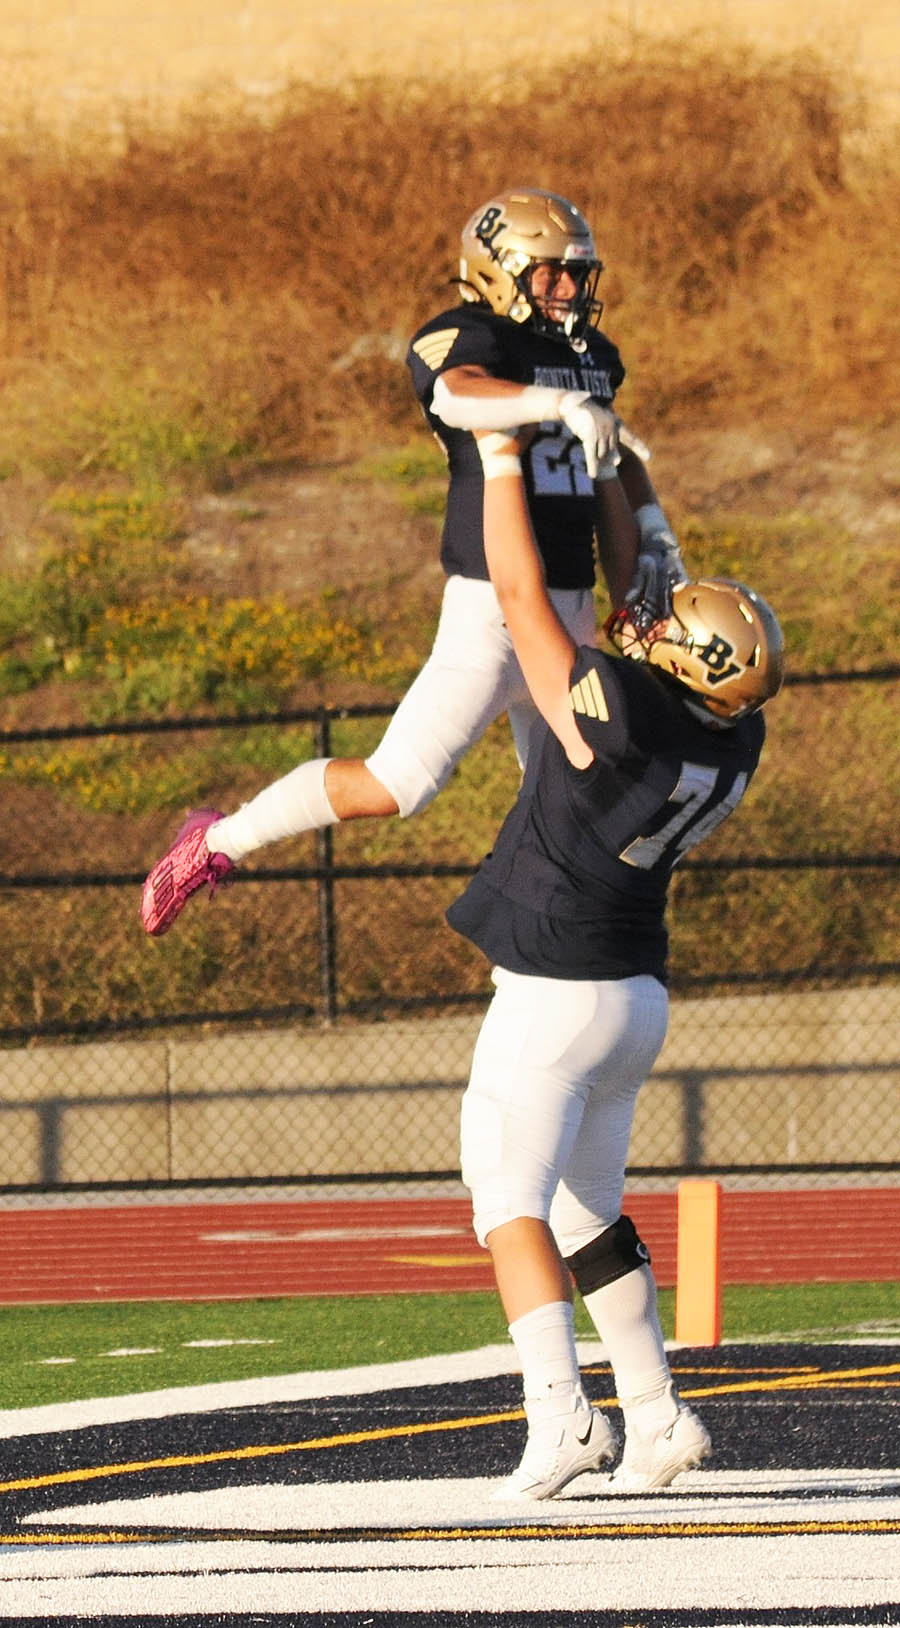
<point x="659" y="568"/>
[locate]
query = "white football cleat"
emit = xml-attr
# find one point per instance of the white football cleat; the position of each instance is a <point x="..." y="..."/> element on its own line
<point x="557" y="1450"/>
<point x="662" y="1438"/>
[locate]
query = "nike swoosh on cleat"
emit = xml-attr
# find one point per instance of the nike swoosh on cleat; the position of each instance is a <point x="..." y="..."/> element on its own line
<point x="583" y="1440"/>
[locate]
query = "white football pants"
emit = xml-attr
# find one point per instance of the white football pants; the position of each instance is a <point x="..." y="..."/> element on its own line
<point x="547" y="1113"/>
<point x="471" y="676"/>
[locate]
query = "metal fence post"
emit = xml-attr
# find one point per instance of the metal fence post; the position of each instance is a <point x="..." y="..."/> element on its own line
<point x="325" y="891"/>
<point x="692" y="1120"/>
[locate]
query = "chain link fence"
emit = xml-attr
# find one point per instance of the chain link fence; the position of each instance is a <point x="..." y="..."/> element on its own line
<point x="314" y="1022"/>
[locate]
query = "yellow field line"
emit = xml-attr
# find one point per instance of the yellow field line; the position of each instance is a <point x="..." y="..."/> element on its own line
<point x="234" y="1454"/>
<point x="839" y="1379"/>
<point x="439" y="1534"/>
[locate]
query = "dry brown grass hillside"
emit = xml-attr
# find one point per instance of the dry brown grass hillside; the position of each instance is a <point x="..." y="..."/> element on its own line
<point x="199" y="305"/>
<point x="70" y="59"/>
<point x="275" y="266"/>
<point x="204" y="318"/>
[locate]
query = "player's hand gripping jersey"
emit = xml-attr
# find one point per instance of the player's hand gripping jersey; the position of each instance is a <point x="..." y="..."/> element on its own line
<point x="560" y="493"/>
<point x="575" y="886"/>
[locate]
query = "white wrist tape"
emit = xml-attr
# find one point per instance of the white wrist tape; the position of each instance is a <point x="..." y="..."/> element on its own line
<point x="497" y="457"/>
<point x="533" y="404"/>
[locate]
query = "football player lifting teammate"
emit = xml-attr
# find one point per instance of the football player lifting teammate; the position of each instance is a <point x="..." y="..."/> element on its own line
<point x="631" y="763"/>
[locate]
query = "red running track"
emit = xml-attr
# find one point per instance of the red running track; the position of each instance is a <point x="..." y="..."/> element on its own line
<point x="244" y="1250"/>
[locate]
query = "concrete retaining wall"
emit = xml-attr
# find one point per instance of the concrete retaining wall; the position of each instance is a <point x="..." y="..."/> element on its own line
<point x="741" y="1080"/>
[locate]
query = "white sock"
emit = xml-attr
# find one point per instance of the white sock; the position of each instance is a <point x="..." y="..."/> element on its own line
<point x="295" y="803"/>
<point x="625" y="1316"/>
<point x="545" y="1344"/>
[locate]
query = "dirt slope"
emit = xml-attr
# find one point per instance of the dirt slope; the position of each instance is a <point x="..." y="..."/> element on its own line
<point x="299" y="530"/>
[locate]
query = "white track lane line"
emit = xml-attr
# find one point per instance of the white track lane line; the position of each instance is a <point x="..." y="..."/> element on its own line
<point x="698" y="1497"/>
<point x="298" y="1387"/>
<point x="756" y="1573"/>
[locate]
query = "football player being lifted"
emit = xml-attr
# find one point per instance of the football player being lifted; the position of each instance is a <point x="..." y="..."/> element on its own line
<point x="522" y="347"/>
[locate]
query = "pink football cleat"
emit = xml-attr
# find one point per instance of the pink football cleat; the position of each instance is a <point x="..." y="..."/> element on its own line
<point x="185" y="868"/>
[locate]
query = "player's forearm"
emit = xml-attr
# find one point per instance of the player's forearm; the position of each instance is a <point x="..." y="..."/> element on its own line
<point x="544" y="648"/>
<point x="635" y="479"/>
<point x="618" y="539"/>
<point x="471" y="379"/>
<point x="514" y="563"/>
<point x="658" y="564"/>
<point x="467" y="398"/>
<point x="513" y="559"/>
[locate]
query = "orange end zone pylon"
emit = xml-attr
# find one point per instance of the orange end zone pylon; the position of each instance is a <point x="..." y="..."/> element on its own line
<point x="698" y="1289"/>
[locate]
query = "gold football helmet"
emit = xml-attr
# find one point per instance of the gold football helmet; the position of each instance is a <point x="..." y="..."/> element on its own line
<point x="722" y="641"/>
<point x="514" y="232"/>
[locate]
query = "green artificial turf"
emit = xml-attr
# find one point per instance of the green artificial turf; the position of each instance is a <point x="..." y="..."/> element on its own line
<point x="73" y="1352"/>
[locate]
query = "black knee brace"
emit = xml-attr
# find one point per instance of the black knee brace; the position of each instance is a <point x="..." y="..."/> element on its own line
<point x="611" y="1255"/>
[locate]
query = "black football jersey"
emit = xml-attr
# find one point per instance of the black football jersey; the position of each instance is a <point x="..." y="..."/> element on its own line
<point x="560" y="493"/>
<point x="576" y="884"/>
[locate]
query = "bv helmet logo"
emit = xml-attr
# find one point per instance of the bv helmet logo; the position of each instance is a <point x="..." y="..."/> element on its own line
<point x="717" y="658"/>
<point x="490" y="225"/>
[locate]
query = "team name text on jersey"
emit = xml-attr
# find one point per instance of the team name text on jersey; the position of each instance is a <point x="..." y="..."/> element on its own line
<point x="594" y="379"/>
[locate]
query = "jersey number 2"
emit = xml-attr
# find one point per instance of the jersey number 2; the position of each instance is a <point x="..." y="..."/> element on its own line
<point x="687" y="824"/>
<point x="558" y="467"/>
